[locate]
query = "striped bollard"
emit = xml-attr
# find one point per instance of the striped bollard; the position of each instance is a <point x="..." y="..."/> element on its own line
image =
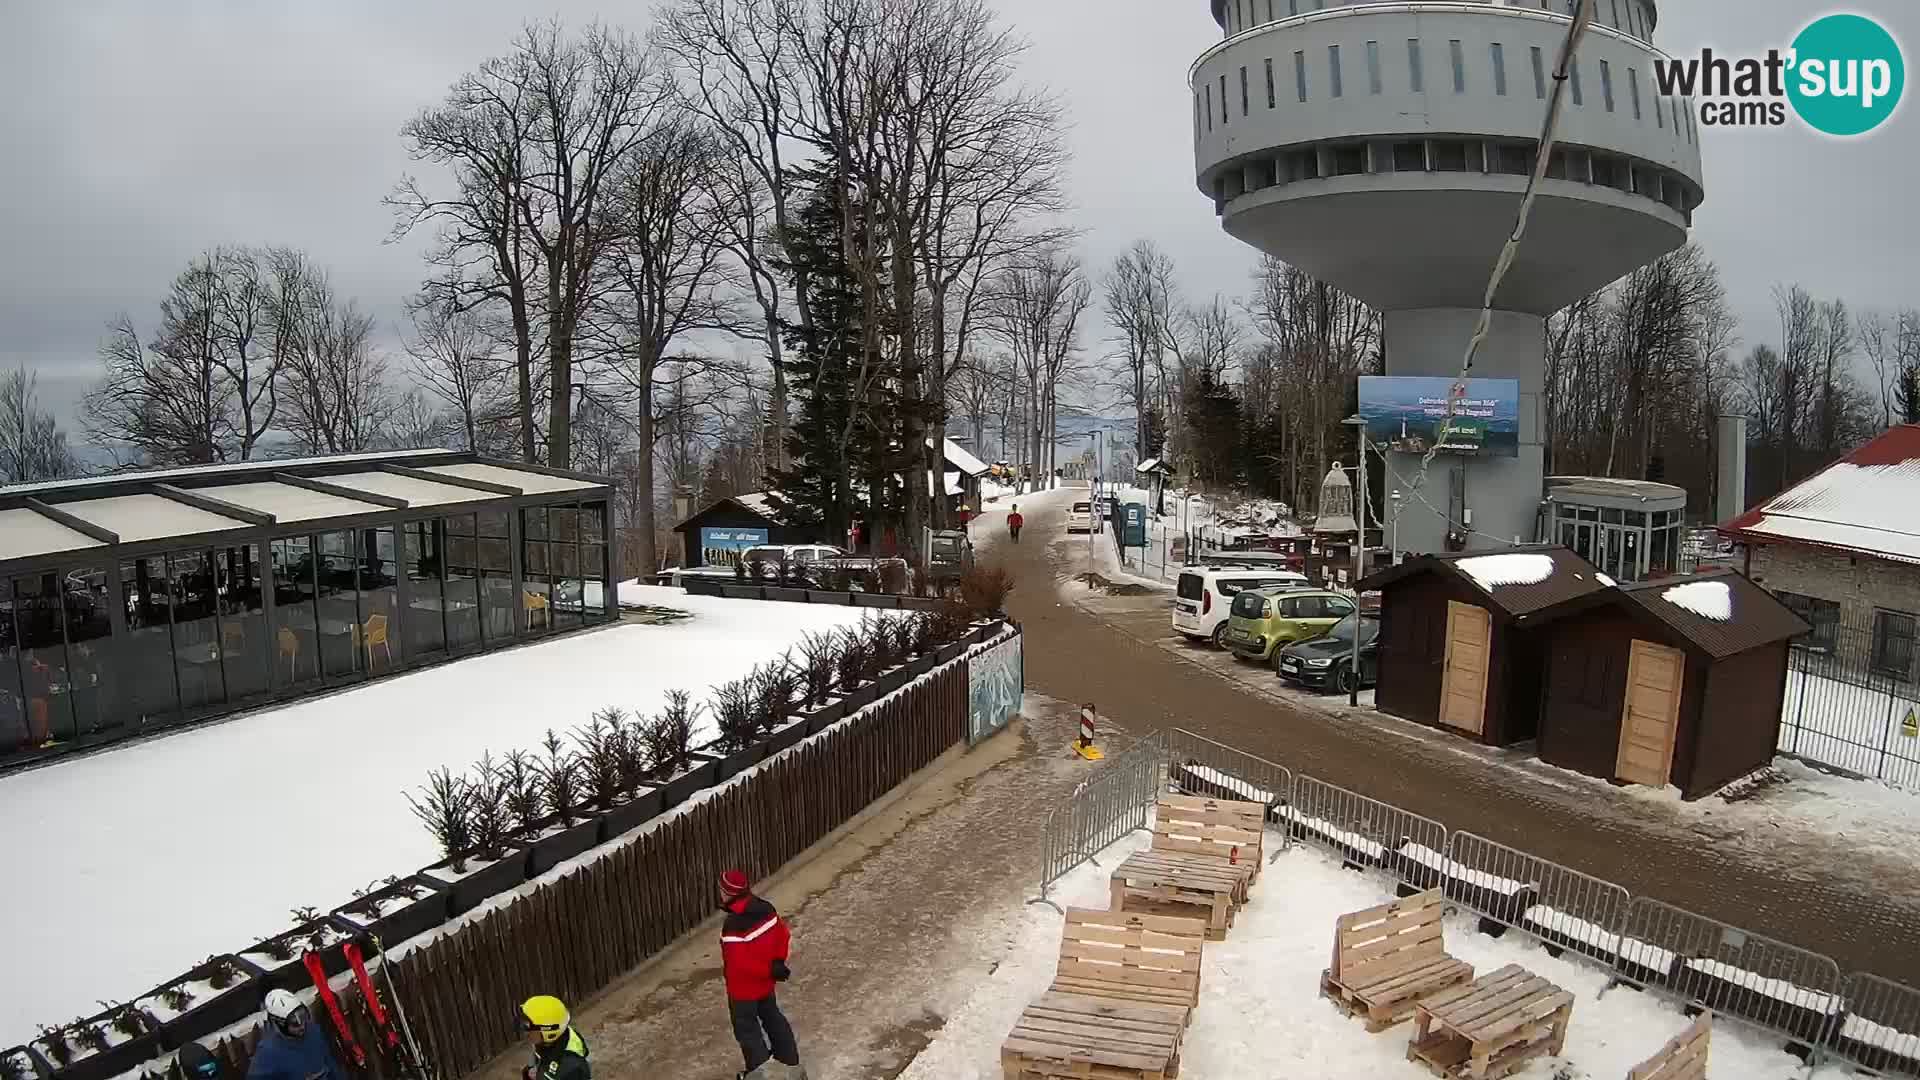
<point x="1085" y="747"/>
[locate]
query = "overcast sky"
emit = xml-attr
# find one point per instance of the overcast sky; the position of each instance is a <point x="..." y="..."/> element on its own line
<point x="138" y="133"/>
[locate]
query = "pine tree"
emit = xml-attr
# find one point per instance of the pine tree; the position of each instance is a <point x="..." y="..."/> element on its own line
<point x="1906" y="395"/>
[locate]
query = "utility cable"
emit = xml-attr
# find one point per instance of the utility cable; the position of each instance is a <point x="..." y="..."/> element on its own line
<point x="1582" y="18"/>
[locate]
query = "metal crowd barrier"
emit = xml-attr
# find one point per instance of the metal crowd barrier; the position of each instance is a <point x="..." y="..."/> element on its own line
<point x="1368" y="832"/>
<point x="1752" y="979"/>
<point x="1560" y="906"/>
<point x="1734" y="972"/>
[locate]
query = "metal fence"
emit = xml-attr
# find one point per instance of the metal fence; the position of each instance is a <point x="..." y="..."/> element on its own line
<point x="1696" y="961"/>
<point x="1851" y="687"/>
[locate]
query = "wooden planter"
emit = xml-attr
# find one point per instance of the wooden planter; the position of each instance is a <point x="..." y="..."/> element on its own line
<point x="734" y="762"/>
<point x="818" y="720"/>
<point x="698" y="776"/>
<point x="549" y="846"/>
<point x="487" y="880"/>
<point x="787" y="735"/>
<point x="889" y="681"/>
<point x="786" y="593"/>
<point x="292" y="974"/>
<point x="949" y="652"/>
<point x="128" y="1054"/>
<point x="858" y="698"/>
<point x="28" y="1061"/>
<point x="428" y="910"/>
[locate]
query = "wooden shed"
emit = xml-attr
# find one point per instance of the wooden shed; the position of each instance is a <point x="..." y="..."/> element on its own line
<point x="1452" y="652"/>
<point x="1677" y="681"/>
<point x="717" y="534"/>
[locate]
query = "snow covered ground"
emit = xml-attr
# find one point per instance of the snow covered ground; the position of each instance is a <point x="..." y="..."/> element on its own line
<point x="1857" y="728"/>
<point x="1260" y="1014"/>
<point x="306" y="802"/>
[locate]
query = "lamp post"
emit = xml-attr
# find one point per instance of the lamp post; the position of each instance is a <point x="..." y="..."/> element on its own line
<point x="1359" y="426"/>
<point x="1395" y="499"/>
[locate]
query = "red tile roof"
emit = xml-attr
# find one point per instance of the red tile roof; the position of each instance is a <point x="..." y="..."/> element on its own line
<point x="1866" y="503"/>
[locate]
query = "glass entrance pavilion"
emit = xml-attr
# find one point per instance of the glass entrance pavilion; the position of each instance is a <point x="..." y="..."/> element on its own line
<point x="1630" y="529"/>
<point x="137" y="601"/>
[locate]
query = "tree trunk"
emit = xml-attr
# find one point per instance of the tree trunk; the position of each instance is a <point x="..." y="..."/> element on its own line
<point x="560" y="362"/>
<point x="646" y="549"/>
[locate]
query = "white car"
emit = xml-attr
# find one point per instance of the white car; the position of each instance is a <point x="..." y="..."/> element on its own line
<point x="1203" y="598"/>
<point x="1080" y="517"/>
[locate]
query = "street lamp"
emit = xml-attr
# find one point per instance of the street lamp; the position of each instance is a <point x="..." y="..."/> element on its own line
<point x="1395" y="499"/>
<point x="1359" y="426"/>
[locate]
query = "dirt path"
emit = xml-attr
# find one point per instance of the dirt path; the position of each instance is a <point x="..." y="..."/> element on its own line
<point x="894" y="919"/>
<point x="1816" y="891"/>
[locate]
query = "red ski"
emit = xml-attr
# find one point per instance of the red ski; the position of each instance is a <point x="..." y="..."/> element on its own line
<point x="402" y="1053"/>
<point x="349" y="1047"/>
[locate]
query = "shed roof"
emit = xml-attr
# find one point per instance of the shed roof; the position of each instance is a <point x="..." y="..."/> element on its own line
<point x="958" y="457"/>
<point x="759" y="503"/>
<point x="1518" y="580"/>
<point x="1152" y="465"/>
<point x="1866" y="503"/>
<point x="1720" y="613"/>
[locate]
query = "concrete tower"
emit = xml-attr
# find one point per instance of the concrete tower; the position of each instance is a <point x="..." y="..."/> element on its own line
<point x="1383" y="147"/>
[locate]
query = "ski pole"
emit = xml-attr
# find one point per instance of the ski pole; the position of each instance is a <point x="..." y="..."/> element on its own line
<point x="399" y="1007"/>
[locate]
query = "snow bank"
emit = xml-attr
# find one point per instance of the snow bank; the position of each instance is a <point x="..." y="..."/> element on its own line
<point x="1707" y="599"/>
<point x="1490" y="572"/>
<point x="1605" y="580"/>
<point x="1260" y="1014"/>
<point x="1543" y="919"/>
<point x="302" y="804"/>
<point x="1778" y="989"/>
<point x="1479" y="879"/>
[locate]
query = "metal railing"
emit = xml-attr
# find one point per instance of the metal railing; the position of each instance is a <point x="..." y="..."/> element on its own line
<point x="1693" y="960"/>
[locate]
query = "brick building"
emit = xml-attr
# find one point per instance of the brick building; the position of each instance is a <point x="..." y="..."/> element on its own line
<point x="1842" y="549"/>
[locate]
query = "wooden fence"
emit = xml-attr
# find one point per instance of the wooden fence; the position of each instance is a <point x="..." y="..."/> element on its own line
<point x="575" y="935"/>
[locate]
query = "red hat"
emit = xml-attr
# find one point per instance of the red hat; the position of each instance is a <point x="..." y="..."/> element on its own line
<point x="734" y="882"/>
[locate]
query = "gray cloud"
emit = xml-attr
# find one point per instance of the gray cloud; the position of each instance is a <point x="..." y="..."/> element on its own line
<point x="140" y="133"/>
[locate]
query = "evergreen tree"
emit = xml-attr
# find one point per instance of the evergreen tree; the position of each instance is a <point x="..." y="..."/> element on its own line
<point x="1906" y="395"/>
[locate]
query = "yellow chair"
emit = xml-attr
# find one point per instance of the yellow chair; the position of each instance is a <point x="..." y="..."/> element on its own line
<point x="536" y="606"/>
<point x="289" y="648"/>
<point x="372" y="634"/>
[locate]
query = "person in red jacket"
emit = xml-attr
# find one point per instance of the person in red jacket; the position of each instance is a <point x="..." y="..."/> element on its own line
<point x="1014" y="521"/>
<point x="753" y="953"/>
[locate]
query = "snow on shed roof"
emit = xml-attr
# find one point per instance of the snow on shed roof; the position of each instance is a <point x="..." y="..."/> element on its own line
<point x="959" y="458"/>
<point x="1722" y="612"/>
<point x="1519" y="581"/>
<point x="1867" y="502"/>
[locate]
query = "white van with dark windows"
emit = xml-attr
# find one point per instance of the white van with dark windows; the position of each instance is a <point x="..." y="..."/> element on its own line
<point x="1203" y="597"/>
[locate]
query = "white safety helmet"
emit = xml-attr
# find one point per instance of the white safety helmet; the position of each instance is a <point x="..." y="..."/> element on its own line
<point x="287" y="1012"/>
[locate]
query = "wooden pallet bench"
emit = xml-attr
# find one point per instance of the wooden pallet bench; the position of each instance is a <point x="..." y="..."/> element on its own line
<point x="1490" y="1027"/>
<point x="1149" y="959"/>
<point x="1068" y="1035"/>
<point x="1225" y="830"/>
<point x="1387" y="958"/>
<point x="1683" y="1058"/>
<point x="1150" y="883"/>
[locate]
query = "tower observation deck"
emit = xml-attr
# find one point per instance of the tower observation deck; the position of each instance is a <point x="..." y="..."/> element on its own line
<point x="1383" y="147"/>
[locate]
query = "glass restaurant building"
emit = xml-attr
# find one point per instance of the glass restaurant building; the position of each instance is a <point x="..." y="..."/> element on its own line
<point x="135" y="601"/>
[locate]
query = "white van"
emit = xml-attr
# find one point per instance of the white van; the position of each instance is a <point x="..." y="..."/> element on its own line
<point x="1203" y="597"/>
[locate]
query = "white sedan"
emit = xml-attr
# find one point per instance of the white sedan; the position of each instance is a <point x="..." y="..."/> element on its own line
<point x="1080" y="518"/>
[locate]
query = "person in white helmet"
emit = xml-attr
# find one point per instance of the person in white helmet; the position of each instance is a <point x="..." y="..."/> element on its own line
<point x="293" y="1046"/>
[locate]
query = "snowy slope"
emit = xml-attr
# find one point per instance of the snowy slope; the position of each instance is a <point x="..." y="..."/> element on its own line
<point x="1260" y="1013"/>
<point x="148" y="857"/>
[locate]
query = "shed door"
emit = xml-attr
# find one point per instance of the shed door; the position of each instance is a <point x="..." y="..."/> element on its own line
<point x="1651" y="715"/>
<point x="1463" y="687"/>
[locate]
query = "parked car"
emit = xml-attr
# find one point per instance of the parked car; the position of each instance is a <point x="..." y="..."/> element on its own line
<point x="1326" y="662"/>
<point x="1203" y="596"/>
<point x="1263" y="621"/>
<point x="1080" y="517"/>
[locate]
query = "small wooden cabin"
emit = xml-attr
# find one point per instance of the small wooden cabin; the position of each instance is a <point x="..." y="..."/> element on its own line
<point x="716" y="535"/>
<point x="1677" y="681"/>
<point x="1452" y="654"/>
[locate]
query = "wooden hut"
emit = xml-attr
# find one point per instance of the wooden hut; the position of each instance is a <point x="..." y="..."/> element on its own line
<point x="718" y="534"/>
<point x="1677" y="681"/>
<point x="1452" y="654"/>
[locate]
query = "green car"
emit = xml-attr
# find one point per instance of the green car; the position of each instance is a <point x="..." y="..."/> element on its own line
<point x="1262" y="620"/>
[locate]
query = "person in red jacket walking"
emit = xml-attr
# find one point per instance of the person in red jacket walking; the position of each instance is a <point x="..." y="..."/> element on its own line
<point x="1014" y="521"/>
<point x="753" y="953"/>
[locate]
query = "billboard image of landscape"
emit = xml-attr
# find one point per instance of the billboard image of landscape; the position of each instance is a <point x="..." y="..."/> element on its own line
<point x="1405" y="413"/>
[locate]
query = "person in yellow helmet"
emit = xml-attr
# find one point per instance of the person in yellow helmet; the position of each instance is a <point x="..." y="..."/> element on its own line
<point x="559" y="1053"/>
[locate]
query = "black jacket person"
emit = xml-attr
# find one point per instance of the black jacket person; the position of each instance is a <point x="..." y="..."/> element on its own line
<point x="559" y="1053"/>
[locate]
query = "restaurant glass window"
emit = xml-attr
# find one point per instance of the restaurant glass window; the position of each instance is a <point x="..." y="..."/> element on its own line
<point x="497" y="602"/>
<point x="296" y="643"/>
<point x="536" y="570"/>
<point x="593" y="558"/>
<point x="95" y="670"/>
<point x="379" y="598"/>
<point x="425" y="562"/>
<point x="43" y="658"/>
<point x="243" y="621"/>
<point x="149" y="692"/>
<point x="463" y="601"/>
<point x="196" y="630"/>
<point x="1661" y="555"/>
<point x="15" y="733"/>
<point x="338" y="603"/>
<point x="563" y="555"/>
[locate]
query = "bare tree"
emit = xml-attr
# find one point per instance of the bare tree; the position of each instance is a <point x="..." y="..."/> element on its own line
<point x="452" y="357"/>
<point x="166" y="400"/>
<point x="32" y="446"/>
<point x="415" y="423"/>
<point x="1035" y="309"/>
<point x="669" y="274"/>
<point x="334" y="387"/>
<point x="1139" y="304"/>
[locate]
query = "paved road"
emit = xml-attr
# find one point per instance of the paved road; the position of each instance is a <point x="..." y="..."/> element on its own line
<point x="1861" y="909"/>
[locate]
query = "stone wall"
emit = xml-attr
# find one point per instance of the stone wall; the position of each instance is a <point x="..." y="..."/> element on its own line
<point x="1859" y="584"/>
